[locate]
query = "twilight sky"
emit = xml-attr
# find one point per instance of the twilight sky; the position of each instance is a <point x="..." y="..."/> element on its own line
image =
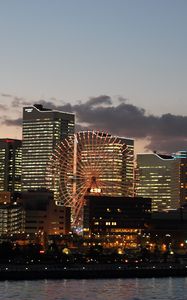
<point x="121" y="65"/>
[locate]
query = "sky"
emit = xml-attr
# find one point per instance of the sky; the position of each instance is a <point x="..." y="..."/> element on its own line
<point x="120" y="65"/>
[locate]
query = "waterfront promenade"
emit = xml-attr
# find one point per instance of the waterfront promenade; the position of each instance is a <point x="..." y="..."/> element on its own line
<point x="88" y="271"/>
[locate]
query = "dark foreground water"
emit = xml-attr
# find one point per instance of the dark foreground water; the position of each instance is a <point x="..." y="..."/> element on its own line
<point x="112" y="289"/>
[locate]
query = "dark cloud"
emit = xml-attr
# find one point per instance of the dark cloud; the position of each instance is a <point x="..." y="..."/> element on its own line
<point x="167" y="144"/>
<point x="12" y="122"/>
<point x="99" y="101"/>
<point x="165" y="133"/>
<point x="6" y="95"/>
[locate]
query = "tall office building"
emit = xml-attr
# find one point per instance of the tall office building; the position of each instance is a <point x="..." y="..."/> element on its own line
<point x="42" y="130"/>
<point x="112" y="160"/>
<point x="10" y="165"/>
<point x="181" y="156"/>
<point x="158" y="178"/>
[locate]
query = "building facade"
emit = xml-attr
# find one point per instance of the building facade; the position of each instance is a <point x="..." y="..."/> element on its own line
<point x="10" y="165"/>
<point x="158" y="179"/>
<point x="116" y="221"/>
<point x="181" y="156"/>
<point x="107" y="161"/>
<point x="42" y="216"/>
<point x="42" y="130"/>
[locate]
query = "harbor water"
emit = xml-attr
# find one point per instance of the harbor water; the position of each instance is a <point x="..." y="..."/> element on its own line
<point x="171" y="288"/>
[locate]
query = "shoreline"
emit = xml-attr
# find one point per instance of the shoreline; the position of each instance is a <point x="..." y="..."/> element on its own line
<point x="95" y="271"/>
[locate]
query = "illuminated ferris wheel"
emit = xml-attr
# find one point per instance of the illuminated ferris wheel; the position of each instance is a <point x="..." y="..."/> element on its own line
<point x="89" y="162"/>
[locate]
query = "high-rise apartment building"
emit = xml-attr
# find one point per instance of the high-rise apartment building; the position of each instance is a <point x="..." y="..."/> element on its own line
<point x="158" y="179"/>
<point x="10" y="165"/>
<point x="42" y="130"/>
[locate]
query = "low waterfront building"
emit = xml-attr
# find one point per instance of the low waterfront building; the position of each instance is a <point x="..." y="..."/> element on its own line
<point x="43" y="216"/>
<point x="118" y="221"/>
<point x="12" y="218"/>
<point x="12" y="215"/>
<point x="10" y="165"/>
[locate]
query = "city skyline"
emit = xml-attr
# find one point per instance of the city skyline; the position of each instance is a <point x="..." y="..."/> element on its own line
<point x="93" y="149"/>
<point x="124" y="60"/>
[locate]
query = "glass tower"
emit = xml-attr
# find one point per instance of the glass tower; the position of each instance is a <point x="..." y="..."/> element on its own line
<point x="181" y="156"/>
<point x="158" y="179"/>
<point x="42" y="130"/>
<point x="10" y="165"/>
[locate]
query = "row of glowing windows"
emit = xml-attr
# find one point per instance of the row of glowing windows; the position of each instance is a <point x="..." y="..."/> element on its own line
<point x="29" y="133"/>
<point x="102" y="161"/>
<point x="37" y="142"/>
<point x="32" y="186"/>
<point x="107" y="223"/>
<point x="37" y="130"/>
<point x="43" y="138"/>
<point x="151" y="180"/>
<point x="49" y="125"/>
<point x="40" y="154"/>
<point x="154" y="197"/>
<point x="36" y="123"/>
<point x="32" y="137"/>
<point x="109" y="210"/>
<point x="153" y="167"/>
<point x="153" y="190"/>
<point x="33" y="156"/>
<point x="154" y="185"/>
<point x="153" y="176"/>
<point x="30" y="163"/>
<point x="49" y="120"/>
<point x="45" y="132"/>
<point x="34" y="160"/>
<point x="36" y="152"/>
<point x="31" y="173"/>
<point x="34" y="175"/>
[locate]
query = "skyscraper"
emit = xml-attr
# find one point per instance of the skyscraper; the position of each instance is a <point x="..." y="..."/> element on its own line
<point x="10" y="165"/>
<point x="111" y="155"/>
<point x="158" y="178"/>
<point x="42" y="130"/>
<point x="181" y="156"/>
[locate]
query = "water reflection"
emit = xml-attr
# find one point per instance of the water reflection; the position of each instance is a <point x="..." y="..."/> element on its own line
<point x="121" y="289"/>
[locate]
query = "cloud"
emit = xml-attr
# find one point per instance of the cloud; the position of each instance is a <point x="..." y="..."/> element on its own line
<point x="6" y="95"/>
<point x="166" y="133"/>
<point x="16" y="101"/>
<point x="3" y="107"/>
<point x="167" y="144"/>
<point x="12" y="122"/>
<point x="19" y="102"/>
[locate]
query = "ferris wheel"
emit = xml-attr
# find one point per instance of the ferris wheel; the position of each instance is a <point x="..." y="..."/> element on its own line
<point x="89" y="162"/>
